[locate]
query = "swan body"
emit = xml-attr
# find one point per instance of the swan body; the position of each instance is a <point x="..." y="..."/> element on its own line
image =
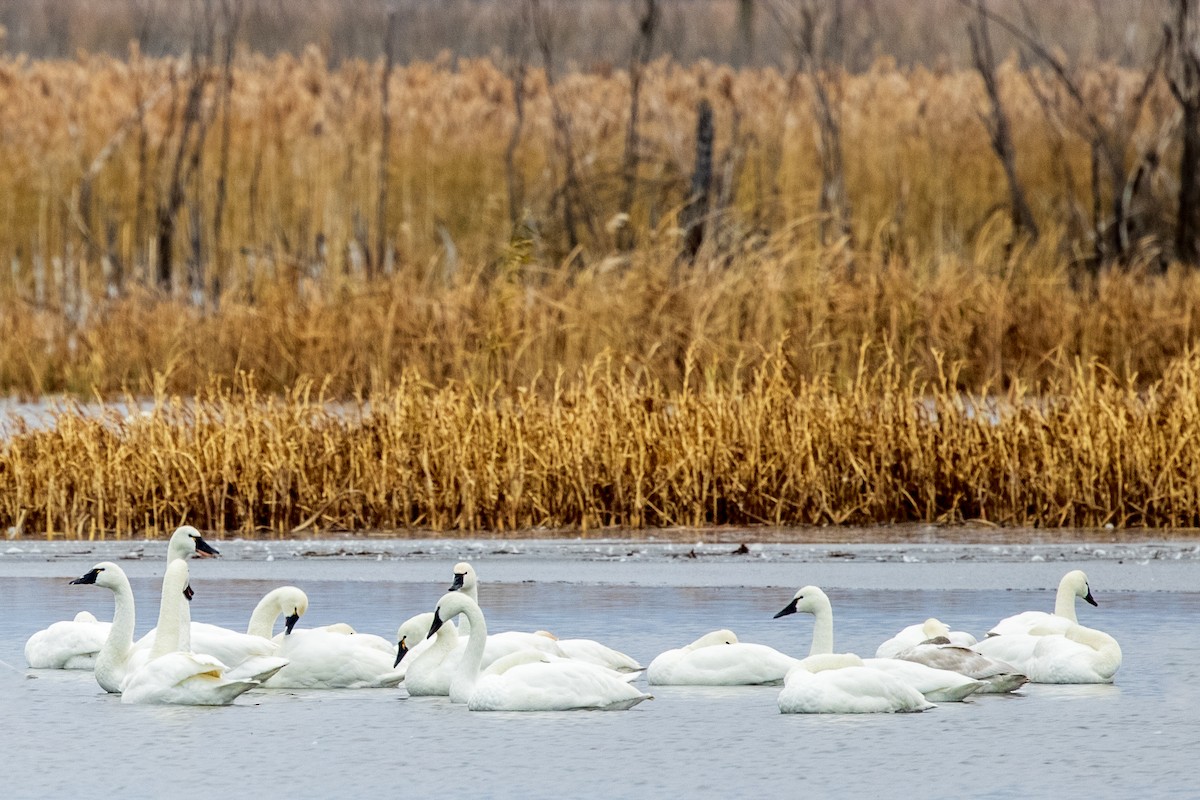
<point x="1081" y="655"/>
<point x="719" y="659"/>
<point x="915" y="634"/>
<point x="527" y="680"/>
<point x="174" y="676"/>
<point x="431" y="669"/>
<point x="466" y="580"/>
<point x="845" y="686"/>
<point x="998" y="677"/>
<point x="1073" y="584"/>
<point x="932" y="683"/>
<point x="67" y="644"/>
<point x="75" y="644"/>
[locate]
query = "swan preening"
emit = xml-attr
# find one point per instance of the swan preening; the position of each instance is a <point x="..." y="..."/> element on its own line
<point x="527" y="680"/>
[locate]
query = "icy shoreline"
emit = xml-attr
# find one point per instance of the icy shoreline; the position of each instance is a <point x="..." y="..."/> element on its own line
<point x="1166" y="565"/>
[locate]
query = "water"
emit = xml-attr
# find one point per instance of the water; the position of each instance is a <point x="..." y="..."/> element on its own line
<point x="62" y="735"/>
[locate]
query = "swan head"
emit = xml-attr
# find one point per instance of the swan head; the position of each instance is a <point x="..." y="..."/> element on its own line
<point x="934" y="627"/>
<point x="412" y="631"/>
<point x="186" y="542"/>
<point x="809" y="600"/>
<point x="1076" y="580"/>
<point x="723" y="636"/>
<point x="106" y="574"/>
<point x="450" y="606"/>
<point x="464" y="577"/>
<point x="292" y="602"/>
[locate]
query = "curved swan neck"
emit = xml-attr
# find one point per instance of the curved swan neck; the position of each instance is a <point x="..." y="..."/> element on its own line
<point x="822" y="641"/>
<point x="274" y="603"/>
<point x="472" y="659"/>
<point x="1064" y="601"/>
<point x="167" y="638"/>
<point x="110" y="662"/>
<point x="471" y="590"/>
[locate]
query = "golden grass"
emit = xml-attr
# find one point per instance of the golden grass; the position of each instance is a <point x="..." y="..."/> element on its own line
<point x="607" y="448"/>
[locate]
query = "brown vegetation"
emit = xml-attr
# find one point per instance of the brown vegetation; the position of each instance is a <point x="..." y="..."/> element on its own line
<point x="611" y="449"/>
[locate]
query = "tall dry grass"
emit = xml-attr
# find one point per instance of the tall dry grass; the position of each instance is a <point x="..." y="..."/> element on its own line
<point x="610" y="448"/>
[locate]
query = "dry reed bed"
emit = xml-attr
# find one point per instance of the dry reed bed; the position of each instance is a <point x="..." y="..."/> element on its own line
<point x="610" y="449"/>
<point x="1001" y="326"/>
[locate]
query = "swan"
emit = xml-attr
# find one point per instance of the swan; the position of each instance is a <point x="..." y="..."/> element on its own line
<point x="74" y="644"/>
<point x="1073" y="584"/>
<point x="527" y="680"/>
<point x="67" y="644"/>
<point x="171" y="675"/>
<point x="936" y="685"/>
<point x="843" y="685"/>
<point x="467" y="581"/>
<point x="113" y="660"/>
<point x="998" y="677"/>
<point x="915" y="634"/>
<point x="1079" y="655"/>
<point x="719" y="659"/>
<point x="329" y="657"/>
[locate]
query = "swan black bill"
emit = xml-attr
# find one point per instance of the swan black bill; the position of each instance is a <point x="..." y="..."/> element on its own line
<point x="90" y="577"/>
<point x="290" y="622"/>
<point x="204" y="549"/>
<point x="437" y="623"/>
<point x="458" y="582"/>
<point x="401" y="652"/>
<point x="790" y="608"/>
<point x="1088" y="598"/>
<point x="188" y="593"/>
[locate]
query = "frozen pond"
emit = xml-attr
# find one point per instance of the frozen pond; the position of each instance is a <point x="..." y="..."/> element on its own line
<point x="62" y="735"/>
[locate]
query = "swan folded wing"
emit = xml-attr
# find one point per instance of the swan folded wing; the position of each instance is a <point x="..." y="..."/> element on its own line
<point x="739" y="664"/>
<point x="182" y="679"/>
<point x="68" y="644"/>
<point x="1083" y="655"/>
<point x="849" y="690"/>
<point x="594" y="652"/>
<point x="322" y="660"/>
<point x="938" y="685"/>
<point x="525" y="682"/>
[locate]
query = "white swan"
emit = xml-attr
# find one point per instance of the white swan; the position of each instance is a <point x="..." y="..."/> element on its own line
<point x="467" y="581"/>
<point x="915" y="634"/>
<point x="171" y="675"/>
<point x="527" y="680"/>
<point x="67" y="644"/>
<point x="936" y="685"/>
<point x="113" y="660"/>
<point x="1080" y="655"/>
<point x="329" y="657"/>
<point x="719" y="659"/>
<point x="1073" y="584"/>
<point x="998" y="677"/>
<point x="844" y="686"/>
<point x="74" y="644"/>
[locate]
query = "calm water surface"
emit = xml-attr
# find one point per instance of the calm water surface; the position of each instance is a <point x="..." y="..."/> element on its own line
<point x="63" y="736"/>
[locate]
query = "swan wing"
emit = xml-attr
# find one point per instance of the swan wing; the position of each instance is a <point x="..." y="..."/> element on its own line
<point x="68" y="644"/>
<point x="850" y="690"/>
<point x="319" y="659"/>
<point x="938" y="685"/>
<point x="738" y="664"/>
<point x="183" y="679"/>
<point x="552" y="685"/>
<point x="594" y="652"/>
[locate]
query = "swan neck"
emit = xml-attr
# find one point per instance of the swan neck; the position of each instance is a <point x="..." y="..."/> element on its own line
<point x="1064" y="602"/>
<point x="464" y="624"/>
<point x="822" y="641"/>
<point x="262" y="620"/>
<point x="111" y="659"/>
<point x="468" y="672"/>
<point x="167" y="637"/>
